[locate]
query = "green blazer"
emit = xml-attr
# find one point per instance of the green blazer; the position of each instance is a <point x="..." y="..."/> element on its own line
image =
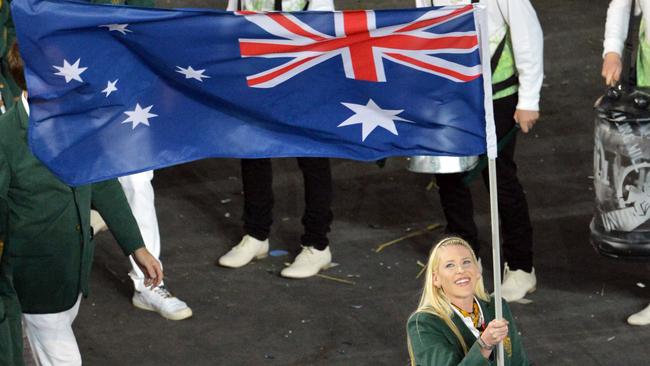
<point x="48" y="249"/>
<point x="434" y="343"/>
<point x="11" y="340"/>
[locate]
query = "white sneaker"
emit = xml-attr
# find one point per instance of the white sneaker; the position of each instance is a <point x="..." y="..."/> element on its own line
<point x="160" y="300"/>
<point x="97" y="222"/>
<point x="244" y="252"/>
<point x="308" y="263"/>
<point x="640" y="318"/>
<point x="516" y="284"/>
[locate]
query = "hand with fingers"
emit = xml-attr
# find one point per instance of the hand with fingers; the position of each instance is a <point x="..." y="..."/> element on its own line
<point x="612" y="68"/>
<point x="526" y="119"/>
<point x="150" y="266"/>
<point x="495" y="332"/>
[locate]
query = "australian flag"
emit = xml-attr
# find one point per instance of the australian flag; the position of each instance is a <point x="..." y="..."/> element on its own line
<point x="117" y="90"/>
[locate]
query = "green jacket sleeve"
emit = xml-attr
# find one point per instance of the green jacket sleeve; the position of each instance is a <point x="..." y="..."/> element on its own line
<point x="518" y="353"/>
<point x="11" y="340"/>
<point x="109" y="200"/>
<point x="433" y="344"/>
<point x="142" y="3"/>
<point x="4" y="188"/>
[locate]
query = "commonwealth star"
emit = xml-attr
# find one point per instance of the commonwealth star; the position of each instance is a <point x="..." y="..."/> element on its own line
<point x="371" y="116"/>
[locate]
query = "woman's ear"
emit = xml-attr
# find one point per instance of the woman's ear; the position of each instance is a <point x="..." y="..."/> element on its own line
<point x="436" y="280"/>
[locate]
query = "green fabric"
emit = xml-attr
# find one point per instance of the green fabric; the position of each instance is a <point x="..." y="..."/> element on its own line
<point x="48" y="249"/>
<point x="8" y="87"/>
<point x="11" y="339"/>
<point x="643" y="60"/>
<point x="7" y="28"/>
<point x="434" y="344"/>
<point x="505" y="68"/>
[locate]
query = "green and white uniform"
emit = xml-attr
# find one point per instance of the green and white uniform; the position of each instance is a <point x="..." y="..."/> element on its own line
<point x="616" y="28"/>
<point x="523" y="49"/>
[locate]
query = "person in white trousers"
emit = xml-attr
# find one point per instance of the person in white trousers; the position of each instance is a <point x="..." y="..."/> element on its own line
<point x="140" y="196"/>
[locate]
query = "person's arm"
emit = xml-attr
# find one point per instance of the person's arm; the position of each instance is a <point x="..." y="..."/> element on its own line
<point x="618" y="19"/>
<point x="109" y="200"/>
<point x="528" y="48"/>
<point x="232" y="5"/>
<point x="616" y="28"/>
<point x="321" y="5"/>
<point x="431" y="347"/>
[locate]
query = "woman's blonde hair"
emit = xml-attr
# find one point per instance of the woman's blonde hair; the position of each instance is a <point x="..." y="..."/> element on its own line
<point x="434" y="301"/>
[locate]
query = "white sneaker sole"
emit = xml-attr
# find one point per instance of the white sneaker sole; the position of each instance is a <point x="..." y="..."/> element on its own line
<point x="179" y="315"/>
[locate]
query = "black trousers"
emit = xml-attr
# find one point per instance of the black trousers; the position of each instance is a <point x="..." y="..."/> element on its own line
<point x="456" y="199"/>
<point x="257" y="177"/>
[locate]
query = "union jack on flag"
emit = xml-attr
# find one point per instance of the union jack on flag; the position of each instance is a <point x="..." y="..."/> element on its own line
<point x="117" y="90"/>
<point x="362" y="46"/>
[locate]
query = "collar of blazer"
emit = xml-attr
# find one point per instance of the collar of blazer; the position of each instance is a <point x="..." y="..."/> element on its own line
<point x="488" y="315"/>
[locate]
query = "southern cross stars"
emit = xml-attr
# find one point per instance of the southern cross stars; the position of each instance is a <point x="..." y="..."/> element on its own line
<point x="190" y="73"/>
<point x="117" y="28"/>
<point x="371" y="116"/>
<point x="139" y="116"/>
<point x="110" y="87"/>
<point x="70" y="72"/>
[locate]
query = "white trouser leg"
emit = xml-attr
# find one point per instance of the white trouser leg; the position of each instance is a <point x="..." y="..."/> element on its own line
<point x="139" y="194"/>
<point x="51" y="338"/>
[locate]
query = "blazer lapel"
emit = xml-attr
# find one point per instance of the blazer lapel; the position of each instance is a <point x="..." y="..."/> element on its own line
<point x="468" y="336"/>
<point x="488" y="310"/>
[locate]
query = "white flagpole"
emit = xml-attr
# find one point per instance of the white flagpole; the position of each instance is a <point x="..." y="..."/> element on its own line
<point x="496" y="249"/>
<point x="491" y="141"/>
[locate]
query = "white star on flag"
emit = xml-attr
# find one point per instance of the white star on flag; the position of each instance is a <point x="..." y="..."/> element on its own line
<point x="371" y="116"/>
<point x="117" y="28"/>
<point x="139" y="116"/>
<point x="190" y="73"/>
<point x="70" y="72"/>
<point x="110" y="87"/>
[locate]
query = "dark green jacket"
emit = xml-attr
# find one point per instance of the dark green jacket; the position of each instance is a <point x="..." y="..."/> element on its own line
<point x="11" y="340"/>
<point x="48" y="248"/>
<point x="434" y="343"/>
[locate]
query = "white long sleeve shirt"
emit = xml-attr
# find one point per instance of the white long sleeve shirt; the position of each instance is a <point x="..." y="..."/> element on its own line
<point x="618" y="20"/>
<point x="527" y="41"/>
<point x="316" y="5"/>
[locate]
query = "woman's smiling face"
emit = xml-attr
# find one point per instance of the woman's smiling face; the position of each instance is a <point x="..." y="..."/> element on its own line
<point x="456" y="274"/>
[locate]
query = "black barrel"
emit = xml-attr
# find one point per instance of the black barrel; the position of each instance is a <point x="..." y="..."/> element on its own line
<point x="620" y="227"/>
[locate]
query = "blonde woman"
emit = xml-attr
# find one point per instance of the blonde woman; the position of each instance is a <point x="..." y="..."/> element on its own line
<point x="454" y="323"/>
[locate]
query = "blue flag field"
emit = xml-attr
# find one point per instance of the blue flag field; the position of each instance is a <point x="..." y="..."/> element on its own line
<point x="118" y="90"/>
